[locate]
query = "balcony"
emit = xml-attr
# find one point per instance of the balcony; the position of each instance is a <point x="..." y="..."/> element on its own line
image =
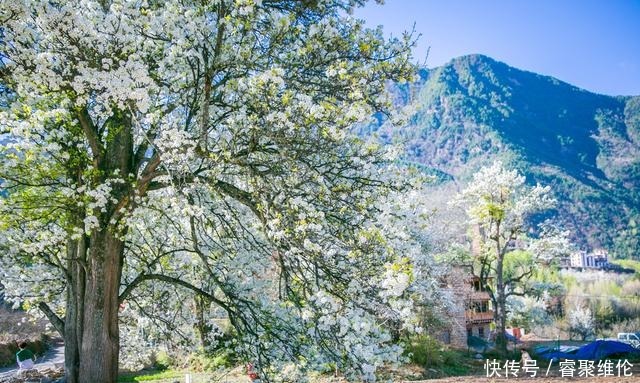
<point x="479" y="296"/>
<point x="478" y="317"/>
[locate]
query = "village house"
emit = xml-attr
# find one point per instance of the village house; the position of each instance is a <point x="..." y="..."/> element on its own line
<point x="471" y="313"/>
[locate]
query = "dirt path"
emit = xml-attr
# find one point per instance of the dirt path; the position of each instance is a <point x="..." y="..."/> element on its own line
<point x="54" y="356"/>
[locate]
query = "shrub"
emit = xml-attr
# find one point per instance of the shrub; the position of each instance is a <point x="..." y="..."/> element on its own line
<point x="428" y="352"/>
<point x="425" y="351"/>
<point x="202" y="361"/>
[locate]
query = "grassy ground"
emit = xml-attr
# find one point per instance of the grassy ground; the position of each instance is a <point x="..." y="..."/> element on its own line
<point x="235" y="375"/>
<point x="429" y="360"/>
<point x="446" y="364"/>
<point x="450" y="366"/>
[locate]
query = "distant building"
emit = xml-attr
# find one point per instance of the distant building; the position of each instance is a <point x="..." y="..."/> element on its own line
<point x="580" y="260"/>
<point x="598" y="259"/>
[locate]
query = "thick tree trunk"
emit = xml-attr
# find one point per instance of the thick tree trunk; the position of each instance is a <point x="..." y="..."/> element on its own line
<point x="100" y="344"/>
<point x="100" y="336"/>
<point x="91" y="333"/>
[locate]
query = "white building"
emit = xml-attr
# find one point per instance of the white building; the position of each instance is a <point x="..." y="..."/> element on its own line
<point x="598" y="259"/>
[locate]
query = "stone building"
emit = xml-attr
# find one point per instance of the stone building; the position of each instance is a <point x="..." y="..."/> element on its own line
<point x="471" y="310"/>
<point x="454" y="333"/>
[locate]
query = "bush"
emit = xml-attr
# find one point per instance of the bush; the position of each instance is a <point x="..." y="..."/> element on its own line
<point x="425" y="351"/>
<point x="629" y="325"/>
<point x="428" y="352"/>
<point x="208" y="362"/>
<point x="161" y="361"/>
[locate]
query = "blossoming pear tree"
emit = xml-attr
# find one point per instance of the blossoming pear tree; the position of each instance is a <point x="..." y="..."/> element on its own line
<point x="500" y="206"/>
<point x="203" y="146"/>
<point x="581" y="322"/>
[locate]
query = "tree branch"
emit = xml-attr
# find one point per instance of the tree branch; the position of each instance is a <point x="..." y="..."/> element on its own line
<point x="171" y="280"/>
<point x="519" y="278"/>
<point x="55" y="320"/>
<point x="239" y="195"/>
<point x="91" y="134"/>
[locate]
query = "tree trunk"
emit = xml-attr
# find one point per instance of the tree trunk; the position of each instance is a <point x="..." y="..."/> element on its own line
<point x="501" y="309"/>
<point x="100" y="344"/>
<point x="100" y="335"/>
<point x="202" y="328"/>
<point x="500" y="312"/>
<point x="75" y="302"/>
<point x="501" y="319"/>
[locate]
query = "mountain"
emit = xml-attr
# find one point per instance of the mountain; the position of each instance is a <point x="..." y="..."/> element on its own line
<point x="586" y="146"/>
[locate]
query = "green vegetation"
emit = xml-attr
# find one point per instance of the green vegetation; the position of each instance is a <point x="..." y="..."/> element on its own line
<point x="611" y="298"/>
<point x="437" y="359"/>
<point x="146" y="376"/>
<point x="628" y="264"/>
<point x="585" y="146"/>
<point x="201" y="361"/>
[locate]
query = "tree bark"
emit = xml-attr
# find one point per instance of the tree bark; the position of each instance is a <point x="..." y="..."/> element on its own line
<point x="75" y="301"/>
<point x="501" y="309"/>
<point x="202" y="328"/>
<point x="100" y="343"/>
<point x="94" y="301"/>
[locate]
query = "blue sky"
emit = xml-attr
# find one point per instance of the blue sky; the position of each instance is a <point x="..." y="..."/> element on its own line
<point x="593" y="44"/>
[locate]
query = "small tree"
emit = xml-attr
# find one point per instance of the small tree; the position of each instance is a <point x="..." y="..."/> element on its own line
<point x="499" y="204"/>
<point x="581" y="322"/>
<point x="528" y="312"/>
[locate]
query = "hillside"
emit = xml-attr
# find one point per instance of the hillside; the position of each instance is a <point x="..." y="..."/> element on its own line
<point x="585" y="145"/>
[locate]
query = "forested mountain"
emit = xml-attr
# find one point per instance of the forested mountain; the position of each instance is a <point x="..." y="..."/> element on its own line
<point x="585" y="145"/>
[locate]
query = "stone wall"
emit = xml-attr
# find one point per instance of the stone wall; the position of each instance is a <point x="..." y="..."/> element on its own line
<point x="457" y="286"/>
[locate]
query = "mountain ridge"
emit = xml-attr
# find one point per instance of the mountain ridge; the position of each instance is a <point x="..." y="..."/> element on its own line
<point x="586" y="145"/>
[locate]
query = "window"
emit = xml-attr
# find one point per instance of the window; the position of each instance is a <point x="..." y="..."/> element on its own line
<point x="481" y="332"/>
<point x="469" y="332"/>
<point x="480" y="306"/>
<point x="446" y="337"/>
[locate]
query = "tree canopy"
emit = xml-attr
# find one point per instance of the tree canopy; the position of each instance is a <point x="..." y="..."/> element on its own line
<point x="201" y="149"/>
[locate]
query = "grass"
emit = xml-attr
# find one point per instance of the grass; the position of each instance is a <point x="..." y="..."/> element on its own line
<point x="149" y="376"/>
<point x="230" y="375"/>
